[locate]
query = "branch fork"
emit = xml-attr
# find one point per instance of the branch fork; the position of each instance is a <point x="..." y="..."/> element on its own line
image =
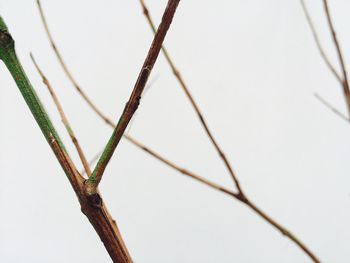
<point x="90" y="200"/>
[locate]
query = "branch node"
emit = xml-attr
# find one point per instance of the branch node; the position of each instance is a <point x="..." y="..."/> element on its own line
<point x="95" y="200"/>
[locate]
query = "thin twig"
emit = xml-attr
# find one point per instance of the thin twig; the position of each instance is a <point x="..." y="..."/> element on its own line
<point x="184" y="87"/>
<point x="182" y="170"/>
<point x="332" y="108"/>
<point x="238" y="197"/>
<point x="63" y="64"/>
<point x="318" y="43"/>
<point x="63" y="117"/>
<point x="283" y="231"/>
<point x="324" y="56"/>
<point x="345" y="82"/>
<point x="215" y="186"/>
<point x="134" y="100"/>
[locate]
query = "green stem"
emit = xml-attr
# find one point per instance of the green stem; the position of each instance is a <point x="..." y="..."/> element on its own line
<point x="135" y="96"/>
<point x="9" y="57"/>
<point x="92" y="206"/>
<point x="13" y="65"/>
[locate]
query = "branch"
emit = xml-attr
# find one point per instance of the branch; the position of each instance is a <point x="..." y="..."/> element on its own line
<point x="345" y="82"/>
<point x="104" y="117"/>
<point x="92" y="206"/>
<point x="108" y="121"/>
<point x="193" y="102"/>
<point x="76" y="86"/>
<point x="318" y="43"/>
<point x="9" y="57"/>
<point x="135" y="97"/>
<point x="182" y="170"/>
<point x="196" y="177"/>
<point x="240" y="196"/>
<point x="63" y="118"/>
<point x="68" y="73"/>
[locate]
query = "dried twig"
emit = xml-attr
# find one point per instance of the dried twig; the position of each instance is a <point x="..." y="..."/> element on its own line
<point x="63" y="118"/>
<point x="318" y="43"/>
<point x="70" y="76"/>
<point x="184" y="87"/>
<point x="183" y="170"/>
<point x="345" y="82"/>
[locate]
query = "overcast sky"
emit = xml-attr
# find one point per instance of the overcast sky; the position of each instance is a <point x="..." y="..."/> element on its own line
<point x="253" y="68"/>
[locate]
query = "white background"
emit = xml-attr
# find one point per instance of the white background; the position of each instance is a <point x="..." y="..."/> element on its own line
<point x="253" y="68"/>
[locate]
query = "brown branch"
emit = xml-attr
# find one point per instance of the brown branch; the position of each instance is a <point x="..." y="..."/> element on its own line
<point x="135" y="97"/>
<point x="345" y="82"/>
<point x="238" y="196"/>
<point x="94" y="209"/>
<point x="318" y="43"/>
<point x="63" y="118"/>
<point x="192" y="101"/>
<point x="68" y="166"/>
